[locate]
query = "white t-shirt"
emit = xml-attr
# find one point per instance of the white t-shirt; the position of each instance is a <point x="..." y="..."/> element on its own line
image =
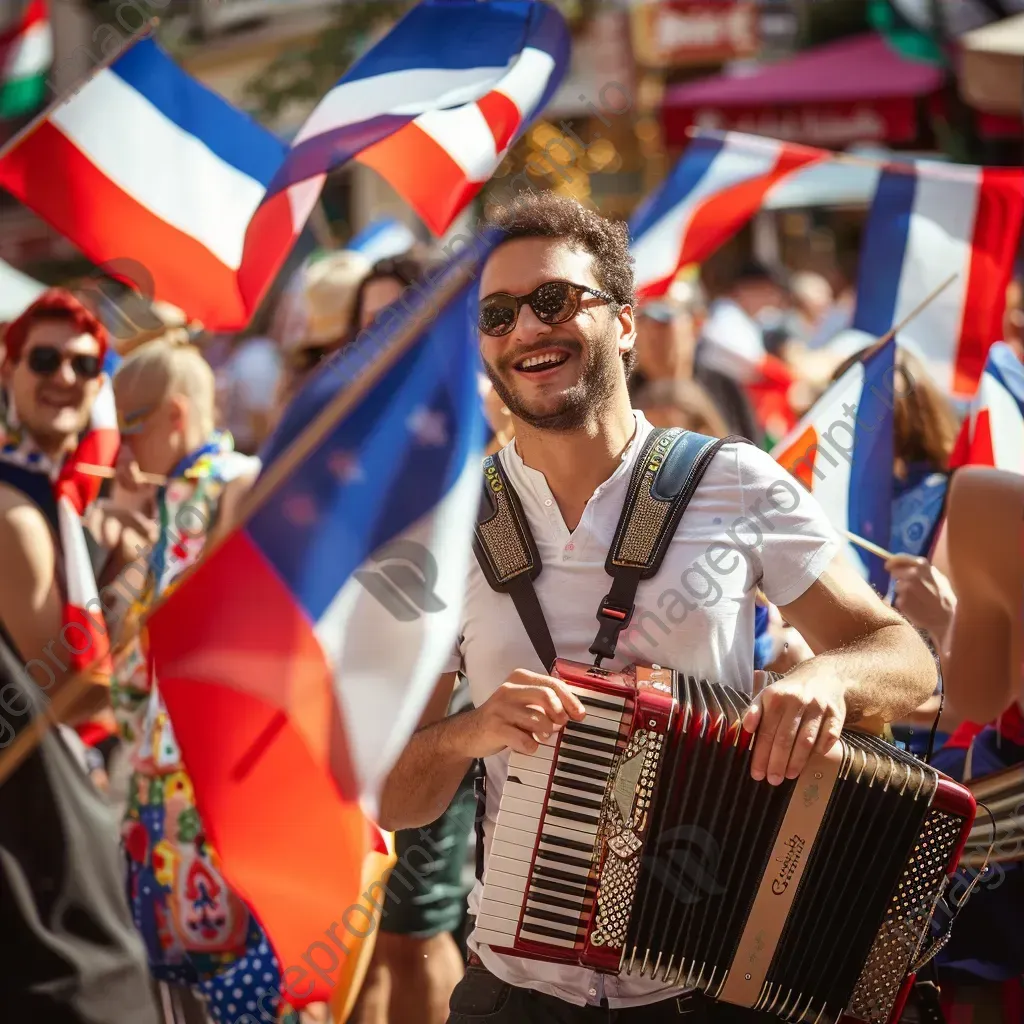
<point x="748" y="525"/>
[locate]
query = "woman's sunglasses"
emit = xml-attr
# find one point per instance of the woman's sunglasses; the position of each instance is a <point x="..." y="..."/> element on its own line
<point x="45" y="361"/>
<point x="553" y="302"/>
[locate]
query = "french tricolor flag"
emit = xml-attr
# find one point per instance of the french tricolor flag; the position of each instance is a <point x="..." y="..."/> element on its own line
<point x="297" y="659"/>
<point x="143" y="162"/>
<point x="718" y="185"/>
<point x="992" y="434"/>
<point x="435" y="105"/>
<point x="927" y="223"/>
<point x="842" y="452"/>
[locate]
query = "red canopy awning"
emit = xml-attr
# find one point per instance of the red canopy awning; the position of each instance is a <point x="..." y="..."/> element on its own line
<point x="853" y="90"/>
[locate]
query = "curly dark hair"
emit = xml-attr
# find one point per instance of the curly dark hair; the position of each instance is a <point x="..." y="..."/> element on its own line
<point x="549" y="215"/>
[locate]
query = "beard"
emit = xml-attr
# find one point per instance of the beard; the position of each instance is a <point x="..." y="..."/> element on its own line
<point x="579" y="403"/>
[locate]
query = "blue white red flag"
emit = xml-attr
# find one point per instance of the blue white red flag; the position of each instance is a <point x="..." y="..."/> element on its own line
<point x="718" y="185"/>
<point x="211" y="203"/>
<point x="992" y="433"/>
<point x="144" y="162"/>
<point x="842" y="452"/>
<point x="297" y="659"/>
<point x="928" y="222"/>
<point x="434" y="106"/>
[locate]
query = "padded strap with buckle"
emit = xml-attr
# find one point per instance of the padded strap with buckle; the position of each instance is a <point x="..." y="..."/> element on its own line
<point x="671" y="465"/>
<point x="507" y="553"/>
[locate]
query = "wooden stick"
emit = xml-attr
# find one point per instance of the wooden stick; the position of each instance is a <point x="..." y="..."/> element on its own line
<point x="41" y="118"/>
<point x="266" y="484"/>
<point x="927" y="301"/>
<point x="867" y="545"/>
<point x="108" y="473"/>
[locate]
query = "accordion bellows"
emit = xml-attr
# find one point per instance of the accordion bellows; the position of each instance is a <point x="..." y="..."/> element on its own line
<point x="636" y="842"/>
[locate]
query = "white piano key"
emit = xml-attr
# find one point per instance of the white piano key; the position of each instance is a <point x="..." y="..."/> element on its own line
<point x="570" y="869"/>
<point x="525" y="809"/>
<point x="567" y="943"/>
<point x="582" y="691"/>
<point x="490" y="937"/>
<point x="530" y="794"/>
<point x="501" y="895"/>
<point x="507" y="844"/>
<point x="584" y="833"/>
<point x="568" y="830"/>
<point x="595" y="715"/>
<point x="533" y="780"/>
<point x="519" y="822"/>
<point x="511" y="882"/>
<point x="541" y="755"/>
<point x="490" y="909"/>
<point x="517" y="868"/>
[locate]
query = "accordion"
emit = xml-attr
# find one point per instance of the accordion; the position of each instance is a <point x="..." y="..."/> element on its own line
<point x="636" y="842"/>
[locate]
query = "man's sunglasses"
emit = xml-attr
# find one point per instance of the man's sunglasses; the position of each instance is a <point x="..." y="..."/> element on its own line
<point x="45" y="360"/>
<point x="553" y="302"/>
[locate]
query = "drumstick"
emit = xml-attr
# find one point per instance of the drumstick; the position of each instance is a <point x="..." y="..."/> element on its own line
<point x="109" y="473"/>
<point x="867" y="545"/>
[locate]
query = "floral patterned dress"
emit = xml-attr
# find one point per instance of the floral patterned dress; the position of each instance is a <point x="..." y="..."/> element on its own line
<point x="197" y="931"/>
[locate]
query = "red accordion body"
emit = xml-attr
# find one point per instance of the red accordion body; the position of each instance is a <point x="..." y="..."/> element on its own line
<point x="636" y="841"/>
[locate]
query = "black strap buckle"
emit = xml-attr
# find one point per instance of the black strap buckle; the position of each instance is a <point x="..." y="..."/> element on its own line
<point x="614" y="618"/>
<point x="615" y="612"/>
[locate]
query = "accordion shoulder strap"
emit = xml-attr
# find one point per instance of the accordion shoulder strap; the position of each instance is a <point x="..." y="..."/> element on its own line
<point x="665" y="478"/>
<point x="669" y="468"/>
<point x="507" y="554"/>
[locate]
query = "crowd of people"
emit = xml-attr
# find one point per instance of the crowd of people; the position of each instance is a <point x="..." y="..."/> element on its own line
<point x="106" y="930"/>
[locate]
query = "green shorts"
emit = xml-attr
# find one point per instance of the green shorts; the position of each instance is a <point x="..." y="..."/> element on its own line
<point x="426" y="894"/>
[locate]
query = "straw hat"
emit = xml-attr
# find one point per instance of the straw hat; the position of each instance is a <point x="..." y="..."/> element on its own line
<point x="328" y="296"/>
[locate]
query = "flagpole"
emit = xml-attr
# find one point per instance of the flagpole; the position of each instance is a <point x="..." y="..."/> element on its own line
<point x="266" y="484"/>
<point x="33" y="126"/>
<point x="918" y="309"/>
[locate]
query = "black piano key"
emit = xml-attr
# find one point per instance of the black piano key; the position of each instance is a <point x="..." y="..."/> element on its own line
<point x="540" y="929"/>
<point x="579" y="755"/>
<point x="564" y="782"/>
<point x="543" y="871"/>
<point x="605" y="705"/>
<point x="609" y="748"/>
<point x="580" y="891"/>
<point x="588" y="729"/>
<point x="569" y="844"/>
<point x="558" y="857"/>
<point x="576" y="800"/>
<point x="583" y="772"/>
<point x="587" y="819"/>
<point x="571" y="921"/>
<point x="557" y="901"/>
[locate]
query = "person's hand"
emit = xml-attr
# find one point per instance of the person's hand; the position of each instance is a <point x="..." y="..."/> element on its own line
<point x="127" y="473"/>
<point x="923" y="594"/>
<point x="793" y="718"/>
<point x="526" y="706"/>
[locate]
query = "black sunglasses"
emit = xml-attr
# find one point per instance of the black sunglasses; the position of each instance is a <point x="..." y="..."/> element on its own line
<point x="553" y="302"/>
<point x="45" y="360"/>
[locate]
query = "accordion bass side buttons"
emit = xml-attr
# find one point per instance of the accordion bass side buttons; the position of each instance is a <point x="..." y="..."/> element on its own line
<point x="636" y="843"/>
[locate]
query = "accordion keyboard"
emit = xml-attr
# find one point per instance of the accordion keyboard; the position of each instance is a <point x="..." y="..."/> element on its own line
<point x="540" y="885"/>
